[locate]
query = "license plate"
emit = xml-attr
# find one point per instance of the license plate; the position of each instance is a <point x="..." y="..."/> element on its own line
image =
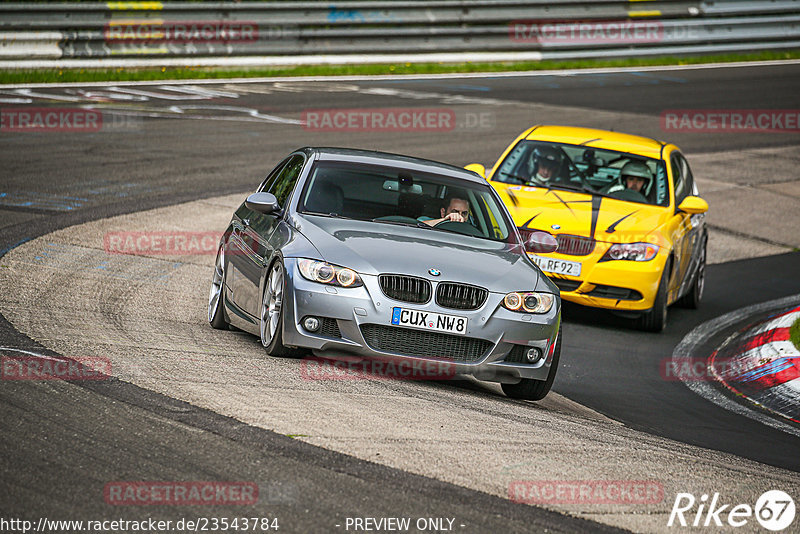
<point x="552" y="265"/>
<point x="439" y="322"/>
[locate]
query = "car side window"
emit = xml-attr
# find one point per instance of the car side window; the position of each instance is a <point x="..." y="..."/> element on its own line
<point x="678" y="178"/>
<point x="684" y="181"/>
<point x="285" y="181"/>
<point x="273" y="174"/>
<point x="689" y="187"/>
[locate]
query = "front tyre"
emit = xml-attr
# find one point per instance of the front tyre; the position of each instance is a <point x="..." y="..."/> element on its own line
<point x="656" y="319"/>
<point x="695" y="295"/>
<point x="216" y="297"/>
<point x="272" y="311"/>
<point x="530" y="389"/>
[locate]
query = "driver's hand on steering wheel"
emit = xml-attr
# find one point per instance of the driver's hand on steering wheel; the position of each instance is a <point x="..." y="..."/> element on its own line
<point x="450" y="217"/>
<point x="454" y="216"/>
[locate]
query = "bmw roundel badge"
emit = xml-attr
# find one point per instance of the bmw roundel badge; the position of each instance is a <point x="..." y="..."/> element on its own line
<point x="434" y="272"/>
<point x="556" y="226"/>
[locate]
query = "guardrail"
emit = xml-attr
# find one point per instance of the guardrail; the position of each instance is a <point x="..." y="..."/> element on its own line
<point x="302" y="32"/>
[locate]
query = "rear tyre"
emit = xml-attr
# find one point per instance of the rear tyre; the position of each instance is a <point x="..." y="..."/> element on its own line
<point x="272" y="312"/>
<point x="531" y="389"/>
<point x="656" y="319"/>
<point x="216" y="297"/>
<point x="695" y="295"/>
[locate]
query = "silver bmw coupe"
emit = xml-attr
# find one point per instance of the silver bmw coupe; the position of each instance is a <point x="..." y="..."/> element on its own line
<point x="357" y="254"/>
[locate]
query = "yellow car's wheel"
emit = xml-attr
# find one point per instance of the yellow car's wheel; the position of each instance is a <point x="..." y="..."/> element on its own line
<point x="656" y="319"/>
<point x="695" y="295"/>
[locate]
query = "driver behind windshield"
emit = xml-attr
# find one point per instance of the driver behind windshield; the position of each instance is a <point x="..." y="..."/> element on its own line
<point x="635" y="176"/>
<point x="457" y="210"/>
<point x="544" y="164"/>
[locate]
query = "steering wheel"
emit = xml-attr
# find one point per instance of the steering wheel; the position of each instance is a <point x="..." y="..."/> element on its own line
<point x="629" y="195"/>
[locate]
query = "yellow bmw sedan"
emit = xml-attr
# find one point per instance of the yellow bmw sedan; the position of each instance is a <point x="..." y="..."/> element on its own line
<point x="623" y="210"/>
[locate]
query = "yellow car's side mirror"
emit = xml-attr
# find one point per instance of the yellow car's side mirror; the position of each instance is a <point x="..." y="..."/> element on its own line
<point x="478" y="168"/>
<point x="693" y="205"/>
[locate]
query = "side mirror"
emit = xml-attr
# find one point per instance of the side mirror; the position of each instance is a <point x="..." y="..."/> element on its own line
<point x="477" y="168"/>
<point x="693" y="205"/>
<point x="262" y="202"/>
<point x="541" y="243"/>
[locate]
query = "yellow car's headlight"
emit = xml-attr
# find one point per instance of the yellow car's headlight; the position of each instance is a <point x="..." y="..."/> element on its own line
<point x="529" y="302"/>
<point x="326" y="273"/>
<point x="631" y="252"/>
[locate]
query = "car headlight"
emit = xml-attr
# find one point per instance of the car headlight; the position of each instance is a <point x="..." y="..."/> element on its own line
<point x="631" y="252"/>
<point x="326" y="273"/>
<point x="529" y="302"/>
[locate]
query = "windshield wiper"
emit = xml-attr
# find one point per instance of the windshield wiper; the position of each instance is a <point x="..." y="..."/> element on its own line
<point x="418" y="224"/>
<point x="332" y="215"/>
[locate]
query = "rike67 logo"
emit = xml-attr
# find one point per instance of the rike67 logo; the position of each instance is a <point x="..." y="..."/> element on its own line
<point x="774" y="510"/>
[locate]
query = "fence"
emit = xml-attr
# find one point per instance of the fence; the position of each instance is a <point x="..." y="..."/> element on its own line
<point x="154" y="33"/>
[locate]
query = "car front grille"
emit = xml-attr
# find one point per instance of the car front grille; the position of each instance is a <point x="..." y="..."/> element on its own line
<point x="460" y="296"/>
<point x="566" y="285"/>
<point x="405" y="288"/>
<point x="612" y="292"/>
<point x="575" y="245"/>
<point x="421" y="344"/>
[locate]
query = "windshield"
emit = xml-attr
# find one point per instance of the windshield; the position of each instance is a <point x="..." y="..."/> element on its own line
<point x="609" y="173"/>
<point x="387" y="195"/>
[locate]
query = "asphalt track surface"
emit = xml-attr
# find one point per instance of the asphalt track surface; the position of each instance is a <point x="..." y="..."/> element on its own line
<point x="60" y="441"/>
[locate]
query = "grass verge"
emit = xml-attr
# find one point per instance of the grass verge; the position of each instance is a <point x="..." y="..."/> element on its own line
<point x="173" y="73"/>
<point x="794" y="333"/>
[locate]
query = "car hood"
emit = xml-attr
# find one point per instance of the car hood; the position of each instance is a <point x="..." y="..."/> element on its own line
<point x="376" y="248"/>
<point x="567" y="212"/>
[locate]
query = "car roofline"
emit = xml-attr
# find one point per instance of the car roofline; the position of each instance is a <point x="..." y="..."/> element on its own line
<point x="390" y="159"/>
<point x="643" y="141"/>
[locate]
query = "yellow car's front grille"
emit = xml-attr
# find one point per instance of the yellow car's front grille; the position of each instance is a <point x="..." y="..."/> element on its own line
<point x="575" y="245"/>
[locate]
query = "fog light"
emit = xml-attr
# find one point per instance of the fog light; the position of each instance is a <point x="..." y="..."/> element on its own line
<point x="311" y="324"/>
<point x="533" y="355"/>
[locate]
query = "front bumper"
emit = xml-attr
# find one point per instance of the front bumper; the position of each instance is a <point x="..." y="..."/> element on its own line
<point x="355" y="310"/>
<point x="614" y="285"/>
